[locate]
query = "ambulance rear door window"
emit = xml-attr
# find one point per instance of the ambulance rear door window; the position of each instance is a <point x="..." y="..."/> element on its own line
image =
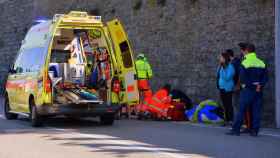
<point x="126" y="55"/>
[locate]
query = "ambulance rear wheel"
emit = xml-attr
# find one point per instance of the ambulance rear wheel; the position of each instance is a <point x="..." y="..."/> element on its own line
<point x="107" y="119"/>
<point x="118" y="115"/>
<point x="36" y="120"/>
<point x="7" y="113"/>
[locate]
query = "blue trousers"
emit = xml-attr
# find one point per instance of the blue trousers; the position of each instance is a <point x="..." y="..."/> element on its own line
<point x="249" y="98"/>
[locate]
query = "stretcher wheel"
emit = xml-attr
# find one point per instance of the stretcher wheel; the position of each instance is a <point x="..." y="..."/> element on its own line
<point x="140" y="116"/>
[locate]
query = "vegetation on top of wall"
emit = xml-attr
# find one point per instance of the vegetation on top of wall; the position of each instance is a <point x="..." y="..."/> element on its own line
<point x="137" y="5"/>
<point x="154" y="3"/>
<point x="193" y="1"/>
<point x="161" y="2"/>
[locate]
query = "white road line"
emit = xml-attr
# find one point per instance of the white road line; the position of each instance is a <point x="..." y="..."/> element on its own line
<point x="269" y="134"/>
<point x="129" y="145"/>
<point x="262" y="133"/>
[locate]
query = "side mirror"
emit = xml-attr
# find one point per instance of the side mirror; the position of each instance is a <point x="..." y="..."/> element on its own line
<point x="23" y="42"/>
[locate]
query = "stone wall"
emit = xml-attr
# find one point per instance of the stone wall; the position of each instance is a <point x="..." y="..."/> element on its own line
<point x="181" y="38"/>
<point x="15" y="19"/>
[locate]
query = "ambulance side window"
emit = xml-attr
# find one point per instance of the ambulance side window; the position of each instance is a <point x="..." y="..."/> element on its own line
<point x="126" y="54"/>
<point x="24" y="60"/>
<point x="37" y="55"/>
<point x="32" y="60"/>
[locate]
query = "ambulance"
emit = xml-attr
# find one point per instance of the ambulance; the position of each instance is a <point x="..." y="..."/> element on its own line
<point x="73" y="65"/>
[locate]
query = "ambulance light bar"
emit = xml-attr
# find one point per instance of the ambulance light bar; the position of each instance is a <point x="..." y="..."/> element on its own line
<point x="75" y="16"/>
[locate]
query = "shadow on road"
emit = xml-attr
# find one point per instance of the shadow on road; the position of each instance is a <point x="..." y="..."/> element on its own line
<point x="120" y="140"/>
<point x="128" y="137"/>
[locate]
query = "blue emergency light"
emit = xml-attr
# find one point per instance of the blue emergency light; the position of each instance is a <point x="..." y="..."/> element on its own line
<point x="39" y="20"/>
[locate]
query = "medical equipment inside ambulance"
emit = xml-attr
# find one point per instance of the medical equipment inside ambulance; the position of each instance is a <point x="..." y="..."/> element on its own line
<point x="79" y="65"/>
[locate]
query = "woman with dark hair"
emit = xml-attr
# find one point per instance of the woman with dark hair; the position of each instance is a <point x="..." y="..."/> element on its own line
<point x="225" y="83"/>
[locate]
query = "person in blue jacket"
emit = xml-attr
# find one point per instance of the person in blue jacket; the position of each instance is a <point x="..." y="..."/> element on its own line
<point x="225" y="84"/>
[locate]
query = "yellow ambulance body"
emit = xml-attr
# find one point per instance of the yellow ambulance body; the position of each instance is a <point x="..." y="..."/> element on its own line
<point x="29" y="90"/>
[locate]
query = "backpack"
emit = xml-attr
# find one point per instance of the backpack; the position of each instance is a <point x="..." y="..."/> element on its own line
<point x="178" y="94"/>
<point x="207" y="111"/>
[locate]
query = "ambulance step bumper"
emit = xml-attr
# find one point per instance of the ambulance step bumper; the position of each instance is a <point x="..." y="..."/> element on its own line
<point x="83" y="110"/>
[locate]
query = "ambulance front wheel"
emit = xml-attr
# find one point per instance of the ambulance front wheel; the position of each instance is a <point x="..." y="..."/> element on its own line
<point x="36" y="120"/>
<point x="7" y="113"/>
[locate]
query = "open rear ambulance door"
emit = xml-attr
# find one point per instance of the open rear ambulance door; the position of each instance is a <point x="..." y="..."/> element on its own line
<point x="124" y="59"/>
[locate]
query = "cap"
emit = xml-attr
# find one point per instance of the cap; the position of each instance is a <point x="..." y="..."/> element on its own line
<point x="250" y="47"/>
<point x="141" y="55"/>
<point x="242" y="45"/>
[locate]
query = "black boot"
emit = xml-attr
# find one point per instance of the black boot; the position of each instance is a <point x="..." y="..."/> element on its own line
<point x="233" y="133"/>
<point x="254" y="133"/>
<point x="245" y="130"/>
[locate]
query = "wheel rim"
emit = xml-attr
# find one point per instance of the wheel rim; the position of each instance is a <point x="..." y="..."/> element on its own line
<point x="33" y="113"/>
<point x="7" y="106"/>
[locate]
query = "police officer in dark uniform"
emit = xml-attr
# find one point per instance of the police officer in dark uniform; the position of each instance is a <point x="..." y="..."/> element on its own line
<point x="253" y="77"/>
<point x="248" y="113"/>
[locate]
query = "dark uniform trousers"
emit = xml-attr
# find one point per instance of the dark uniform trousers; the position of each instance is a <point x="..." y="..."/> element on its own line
<point x="249" y="98"/>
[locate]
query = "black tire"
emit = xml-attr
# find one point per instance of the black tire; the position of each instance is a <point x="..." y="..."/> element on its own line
<point x="107" y="119"/>
<point x="7" y="113"/>
<point x="73" y="118"/>
<point x="118" y="115"/>
<point x="36" y="120"/>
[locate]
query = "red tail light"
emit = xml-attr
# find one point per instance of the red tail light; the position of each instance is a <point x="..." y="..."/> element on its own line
<point x="116" y="86"/>
<point x="47" y="84"/>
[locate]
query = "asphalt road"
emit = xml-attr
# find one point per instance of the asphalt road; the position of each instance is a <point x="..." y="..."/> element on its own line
<point x="68" y="138"/>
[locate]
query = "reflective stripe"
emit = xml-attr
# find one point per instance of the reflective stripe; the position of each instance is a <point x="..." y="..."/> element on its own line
<point x="252" y="61"/>
<point x="130" y="88"/>
<point x="132" y="93"/>
<point x="143" y="68"/>
<point x="256" y="83"/>
<point x="156" y="99"/>
<point x="154" y="107"/>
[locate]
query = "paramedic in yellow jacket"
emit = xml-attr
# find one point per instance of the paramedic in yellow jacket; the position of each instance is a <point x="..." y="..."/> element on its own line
<point x="144" y="73"/>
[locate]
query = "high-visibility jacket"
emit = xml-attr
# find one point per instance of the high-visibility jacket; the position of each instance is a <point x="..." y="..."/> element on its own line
<point x="144" y="70"/>
<point x="253" y="72"/>
<point x="158" y="103"/>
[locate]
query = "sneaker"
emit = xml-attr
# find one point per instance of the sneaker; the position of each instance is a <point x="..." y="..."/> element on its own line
<point x="254" y="133"/>
<point x="245" y="131"/>
<point x="230" y="123"/>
